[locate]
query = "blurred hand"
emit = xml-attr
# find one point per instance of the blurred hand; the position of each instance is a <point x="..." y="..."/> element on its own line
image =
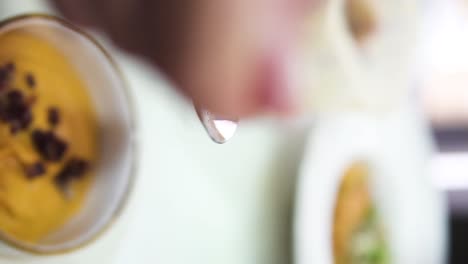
<point x="230" y="56"/>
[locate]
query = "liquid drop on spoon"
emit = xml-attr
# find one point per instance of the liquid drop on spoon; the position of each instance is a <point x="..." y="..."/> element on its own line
<point x="219" y="129"/>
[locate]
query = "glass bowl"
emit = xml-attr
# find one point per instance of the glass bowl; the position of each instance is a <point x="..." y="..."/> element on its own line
<point x="115" y="168"/>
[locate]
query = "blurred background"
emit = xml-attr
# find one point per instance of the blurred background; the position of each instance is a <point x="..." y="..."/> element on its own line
<point x="196" y="202"/>
<point x="444" y="93"/>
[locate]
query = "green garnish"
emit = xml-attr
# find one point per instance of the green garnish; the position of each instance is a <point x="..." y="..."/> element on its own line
<point x="368" y="245"/>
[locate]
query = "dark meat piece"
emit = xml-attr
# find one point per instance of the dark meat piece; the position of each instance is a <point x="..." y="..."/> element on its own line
<point x="30" y="80"/>
<point x="51" y="147"/>
<point x="75" y="168"/>
<point x="53" y="116"/>
<point x="35" y="170"/>
<point x="15" y="110"/>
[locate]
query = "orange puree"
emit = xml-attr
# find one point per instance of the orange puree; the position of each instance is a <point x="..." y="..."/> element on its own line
<point x="33" y="206"/>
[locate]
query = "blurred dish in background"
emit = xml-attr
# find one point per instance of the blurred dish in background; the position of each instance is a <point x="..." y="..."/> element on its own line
<point x="365" y="194"/>
<point x="370" y="144"/>
<point x="356" y="55"/>
<point x="361" y="19"/>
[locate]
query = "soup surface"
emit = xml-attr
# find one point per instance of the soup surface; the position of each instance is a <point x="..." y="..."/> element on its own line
<point x="48" y="137"/>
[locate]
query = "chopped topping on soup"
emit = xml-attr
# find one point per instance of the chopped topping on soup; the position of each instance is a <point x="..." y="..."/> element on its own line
<point x="49" y="145"/>
<point x="30" y="80"/>
<point x="35" y="170"/>
<point x="74" y="169"/>
<point x="53" y="116"/>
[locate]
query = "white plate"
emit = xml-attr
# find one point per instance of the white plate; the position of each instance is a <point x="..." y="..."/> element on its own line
<point x="396" y="149"/>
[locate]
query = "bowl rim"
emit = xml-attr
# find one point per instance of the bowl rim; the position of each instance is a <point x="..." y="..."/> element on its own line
<point x="32" y="249"/>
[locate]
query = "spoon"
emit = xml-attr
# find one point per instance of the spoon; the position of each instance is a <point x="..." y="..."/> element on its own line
<point x="218" y="128"/>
